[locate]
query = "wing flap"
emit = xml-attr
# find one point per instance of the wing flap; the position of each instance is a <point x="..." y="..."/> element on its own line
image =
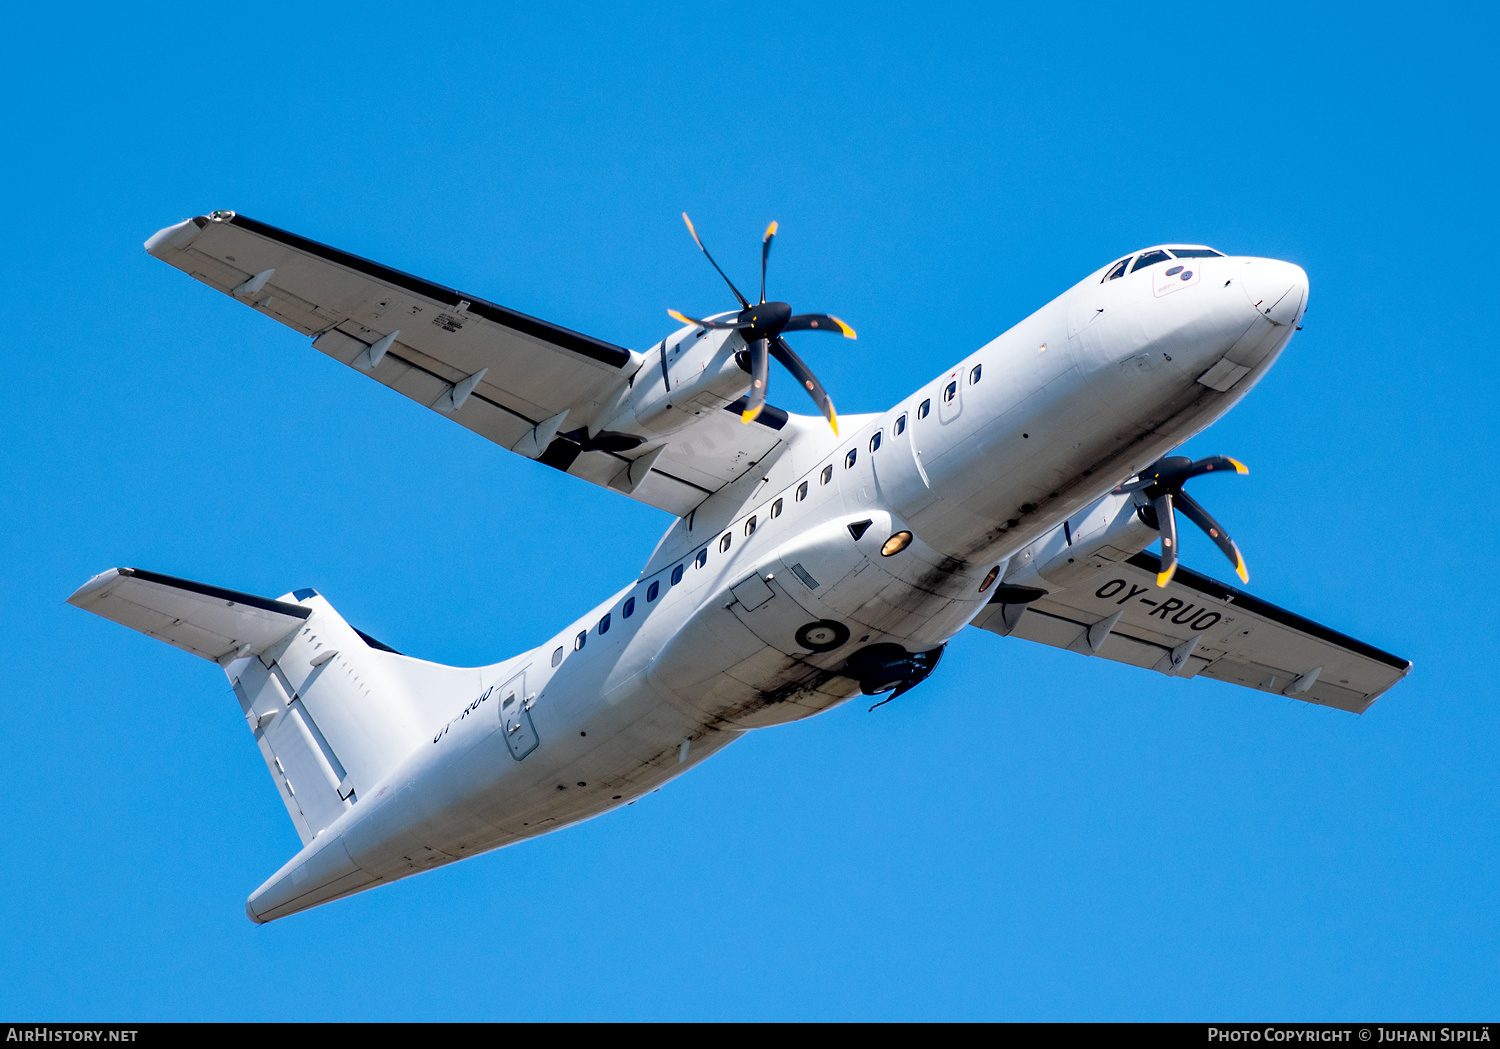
<point x="1197" y="625"/>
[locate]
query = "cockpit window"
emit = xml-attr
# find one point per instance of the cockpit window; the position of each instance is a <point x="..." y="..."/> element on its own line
<point x="1117" y="270"/>
<point x="1149" y="258"/>
<point x="1197" y="253"/>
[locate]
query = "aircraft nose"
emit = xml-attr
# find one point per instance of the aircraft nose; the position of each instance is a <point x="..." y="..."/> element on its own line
<point x="1277" y="290"/>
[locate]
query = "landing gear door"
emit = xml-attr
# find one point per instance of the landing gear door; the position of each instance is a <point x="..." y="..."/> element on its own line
<point x="515" y="717"/>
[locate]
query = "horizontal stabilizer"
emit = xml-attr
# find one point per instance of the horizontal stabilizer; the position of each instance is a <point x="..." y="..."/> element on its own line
<point x="207" y="621"/>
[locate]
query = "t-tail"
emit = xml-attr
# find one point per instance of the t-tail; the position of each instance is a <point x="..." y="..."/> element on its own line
<point x="334" y="711"/>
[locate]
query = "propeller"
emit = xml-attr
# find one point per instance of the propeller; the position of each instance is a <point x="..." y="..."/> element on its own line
<point x="1162" y="484"/>
<point x="761" y="325"/>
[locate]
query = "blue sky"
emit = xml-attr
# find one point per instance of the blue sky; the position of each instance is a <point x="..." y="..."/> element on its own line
<point x="1029" y="834"/>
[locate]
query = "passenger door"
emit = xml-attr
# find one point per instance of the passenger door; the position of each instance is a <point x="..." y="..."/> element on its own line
<point x="515" y="717"/>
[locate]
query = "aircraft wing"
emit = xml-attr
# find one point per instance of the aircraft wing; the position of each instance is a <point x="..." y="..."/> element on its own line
<point x="1195" y="625"/>
<point x="498" y="372"/>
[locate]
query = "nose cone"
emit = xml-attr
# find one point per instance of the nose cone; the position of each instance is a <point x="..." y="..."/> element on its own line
<point x="1276" y="290"/>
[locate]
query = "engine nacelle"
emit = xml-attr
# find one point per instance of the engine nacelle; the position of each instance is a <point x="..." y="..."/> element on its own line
<point x="1112" y="529"/>
<point x="692" y="372"/>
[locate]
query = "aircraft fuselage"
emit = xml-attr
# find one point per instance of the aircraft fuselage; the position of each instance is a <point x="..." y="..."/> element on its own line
<point x="782" y="592"/>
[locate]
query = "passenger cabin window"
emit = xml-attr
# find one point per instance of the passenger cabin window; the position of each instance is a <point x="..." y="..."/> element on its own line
<point x="629" y="609"/>
<point x="723" y="544"/>
<point x="974" y="374"/>
<point x="802" y="491"/>
<point x="826" y="475"/>
<point x="557" y="656"/>
<point x="1117" y="270"/>
<point x="604" y="624"/>
<point x="875" y="442"/>
<point x="676" y="575"/>
<point x="702" y="558"/>
<point x="849" y="459"/>
<point x="776" y="509"/>
<point x="900" y="426"/>
<point x="949" y="392"/>
<point x="750" y="525"/>
<point x="1196" y="253"/>
<point x="653" y="590"/>
<point x="581" y="640"/>
<point x="1149" y="258"/>
<point x="923" y="409"/>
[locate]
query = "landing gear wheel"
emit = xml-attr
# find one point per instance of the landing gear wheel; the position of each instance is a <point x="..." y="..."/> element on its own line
<point x="823" y="636"/>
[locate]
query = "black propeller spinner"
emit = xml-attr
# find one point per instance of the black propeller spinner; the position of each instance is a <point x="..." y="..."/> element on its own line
<point x="760" y="325"/>
<point x="1162" y="483"/>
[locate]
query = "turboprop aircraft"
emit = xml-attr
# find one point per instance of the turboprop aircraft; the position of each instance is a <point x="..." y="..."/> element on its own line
<point x="812" y="558"/>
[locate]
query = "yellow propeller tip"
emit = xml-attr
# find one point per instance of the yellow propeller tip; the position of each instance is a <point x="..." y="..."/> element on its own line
<point x="747" y="417"/>
<point x="1240" y="571"/>
<point x="833" y="420"/>
<point x="1163" y="578"/>
<point x="848" y="331"/>
<point x="678" y="317"/>
<point x="770" y="232"/>
<point x="1239" y="467"/>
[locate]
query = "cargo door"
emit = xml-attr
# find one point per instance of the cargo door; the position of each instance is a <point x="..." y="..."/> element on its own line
<point x="900" y="477"/>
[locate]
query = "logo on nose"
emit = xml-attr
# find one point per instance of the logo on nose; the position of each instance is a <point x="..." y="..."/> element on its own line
<point x="1173" y="278"/>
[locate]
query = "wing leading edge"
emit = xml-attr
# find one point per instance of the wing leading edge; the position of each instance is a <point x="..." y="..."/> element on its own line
<point x="1196" y="625"/>
<point x="496" y="371"/>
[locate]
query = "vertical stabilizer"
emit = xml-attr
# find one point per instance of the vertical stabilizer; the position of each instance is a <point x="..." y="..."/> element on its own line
<point x="329" y="718"/>
<point x="332" y="710"/>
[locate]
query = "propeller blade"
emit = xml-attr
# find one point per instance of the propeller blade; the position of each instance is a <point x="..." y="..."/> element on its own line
<point x="744" y="302"/>
<point x="760" y="375"/>
<point x="1215" y="464"/>
<point x="765" y="253"/>
<point x="1200" y="517"/>
<point x="819" y="322"/>
<point x="803" y="374"/>
<point x="706" y="324"/>
<point x="1167" y="522"/>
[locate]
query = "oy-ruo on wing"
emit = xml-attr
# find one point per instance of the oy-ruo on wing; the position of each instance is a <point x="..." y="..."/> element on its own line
<point x="1017" y="492"/>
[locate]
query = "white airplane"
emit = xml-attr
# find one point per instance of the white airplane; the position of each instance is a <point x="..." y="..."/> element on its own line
<point x="811" y="560"/>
